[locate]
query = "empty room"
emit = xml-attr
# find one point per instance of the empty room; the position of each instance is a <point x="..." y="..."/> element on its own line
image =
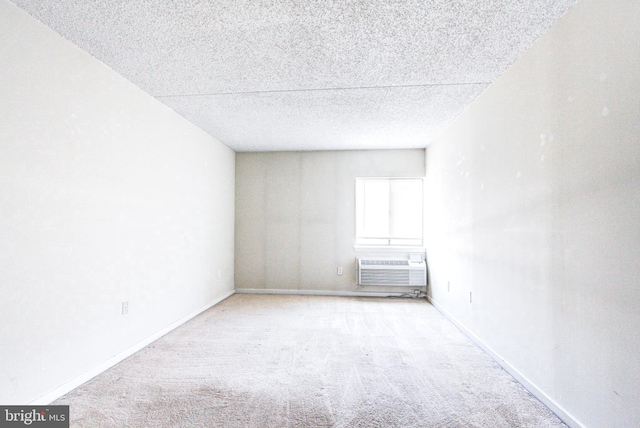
<point x="320" y="214"/>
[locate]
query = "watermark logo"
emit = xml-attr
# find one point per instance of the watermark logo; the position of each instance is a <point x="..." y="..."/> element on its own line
<point x="34" y="416"/>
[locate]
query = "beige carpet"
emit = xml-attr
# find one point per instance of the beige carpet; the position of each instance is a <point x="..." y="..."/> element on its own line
<point x="308" y="361"/>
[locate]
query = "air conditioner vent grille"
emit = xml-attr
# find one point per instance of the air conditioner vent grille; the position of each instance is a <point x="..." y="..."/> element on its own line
<point x="385" y="262"/>
<point x="392" y="272"/>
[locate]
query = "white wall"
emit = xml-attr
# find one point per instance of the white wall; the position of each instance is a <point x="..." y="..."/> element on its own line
<point x="535" y="196"/>
<point x="295" y="215"/>
<point x="106" y="195"/>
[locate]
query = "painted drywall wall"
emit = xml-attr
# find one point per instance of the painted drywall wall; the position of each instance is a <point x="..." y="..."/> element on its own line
<point x="295" y="215"/>
<point x="106" y="196"/>
<point x="535" y="210"/>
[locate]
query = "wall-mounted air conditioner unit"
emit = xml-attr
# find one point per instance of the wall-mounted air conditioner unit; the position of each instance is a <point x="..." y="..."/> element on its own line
<point x="407" y="273"/>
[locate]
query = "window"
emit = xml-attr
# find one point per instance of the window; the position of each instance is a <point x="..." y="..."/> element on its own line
<point x="389" y="211"/>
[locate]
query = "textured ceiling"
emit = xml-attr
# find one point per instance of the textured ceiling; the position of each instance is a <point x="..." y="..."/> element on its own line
<point x="265" y="75"/>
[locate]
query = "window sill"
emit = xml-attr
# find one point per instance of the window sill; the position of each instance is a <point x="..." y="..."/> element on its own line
<point x="390" y="248"/>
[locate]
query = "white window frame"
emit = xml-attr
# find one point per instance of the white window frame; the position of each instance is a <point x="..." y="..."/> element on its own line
<point x="386" y="241"/>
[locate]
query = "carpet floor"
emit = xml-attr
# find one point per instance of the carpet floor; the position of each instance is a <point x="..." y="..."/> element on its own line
<point x="309" y="361"/>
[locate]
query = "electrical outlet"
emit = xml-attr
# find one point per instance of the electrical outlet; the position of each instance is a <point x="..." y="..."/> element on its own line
<point x="125" y="308"/>
<point x="339" y="271"/>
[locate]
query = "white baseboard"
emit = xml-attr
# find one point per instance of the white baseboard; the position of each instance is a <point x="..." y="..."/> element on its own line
<point x="319" y="292"/>
<point x="90" y="374"/>
<point x="566" y="417"/>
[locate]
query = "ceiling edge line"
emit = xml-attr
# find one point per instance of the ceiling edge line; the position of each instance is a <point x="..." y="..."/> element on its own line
<point x="276" y="91"/>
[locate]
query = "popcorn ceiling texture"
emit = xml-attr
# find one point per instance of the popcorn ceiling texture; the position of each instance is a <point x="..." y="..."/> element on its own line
<point x="375" y="118"/>
<point x="291" y="75"/>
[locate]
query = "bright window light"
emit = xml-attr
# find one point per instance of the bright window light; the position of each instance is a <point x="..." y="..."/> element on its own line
<point x="389" y="211"/>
